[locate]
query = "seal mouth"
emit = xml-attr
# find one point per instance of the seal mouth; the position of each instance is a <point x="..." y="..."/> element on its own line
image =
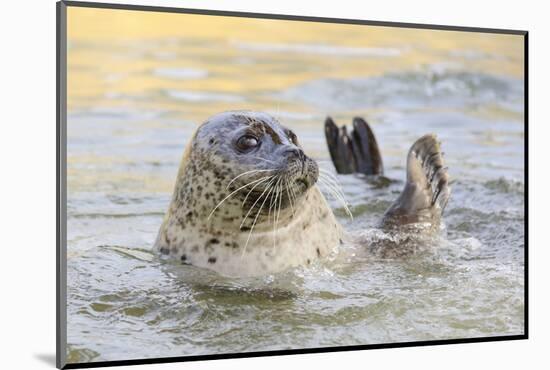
<point x="303" y="181"/>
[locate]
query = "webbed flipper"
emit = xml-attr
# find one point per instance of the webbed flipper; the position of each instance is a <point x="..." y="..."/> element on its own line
<point x="427" y="189"/>
<point x="354" y="152"/>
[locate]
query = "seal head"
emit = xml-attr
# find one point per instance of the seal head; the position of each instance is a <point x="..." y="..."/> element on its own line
<point x="245" y="201"/>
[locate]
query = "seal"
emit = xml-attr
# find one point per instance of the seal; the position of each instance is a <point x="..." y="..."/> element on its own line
<point x="246" y="202"/>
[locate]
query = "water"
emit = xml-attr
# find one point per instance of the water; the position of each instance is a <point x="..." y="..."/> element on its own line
<point x="134" y="101"/>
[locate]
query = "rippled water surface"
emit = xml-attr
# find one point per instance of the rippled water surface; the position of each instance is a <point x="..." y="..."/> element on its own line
<point x="137" y="91"/>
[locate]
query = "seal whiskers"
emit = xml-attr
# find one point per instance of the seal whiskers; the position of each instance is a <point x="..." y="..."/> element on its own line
<point x="230" y="194"/>
<point x="269" y="184"/>
<point x="246" y="173"/>
<point x="254" y="187"/>
<point x="255" y="220"/>
<point x="274" y="203"/>
<point x="335" y="190"/>
<point x="280" y="195"/>
<point x="265" y="160"/>
<point x="336" y="196"/>
<point x="294" y="196"/>
<point x="290" y="200"/>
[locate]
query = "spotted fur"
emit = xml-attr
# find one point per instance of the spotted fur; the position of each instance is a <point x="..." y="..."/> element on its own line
<point x="306" y="229"/>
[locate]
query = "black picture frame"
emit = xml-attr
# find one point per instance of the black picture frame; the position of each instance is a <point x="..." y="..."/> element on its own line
<point x="61" y="186"/>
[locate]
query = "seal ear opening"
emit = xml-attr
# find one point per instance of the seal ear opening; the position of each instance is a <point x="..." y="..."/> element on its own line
<point x="354" y="152"/>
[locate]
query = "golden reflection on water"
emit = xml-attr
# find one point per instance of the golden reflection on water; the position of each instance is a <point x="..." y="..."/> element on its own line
<point x="131" y="34"/>
<point x="193" y="66"/>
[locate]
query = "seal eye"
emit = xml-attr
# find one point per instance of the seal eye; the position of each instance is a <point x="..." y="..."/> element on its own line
<point x="292" y="137"/>
<point x="247" y="142"/>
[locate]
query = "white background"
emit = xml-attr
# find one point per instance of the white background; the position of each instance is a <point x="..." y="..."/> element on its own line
<point x="27" y="182"/>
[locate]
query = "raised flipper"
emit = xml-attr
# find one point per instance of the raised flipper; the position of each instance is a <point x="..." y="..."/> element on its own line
<point x="427" y="188"/>
<point x="339" y="146"/>
<point x="354" y="152"/>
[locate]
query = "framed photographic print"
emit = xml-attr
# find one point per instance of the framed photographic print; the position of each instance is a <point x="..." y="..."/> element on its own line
<point x="236" y="184"/>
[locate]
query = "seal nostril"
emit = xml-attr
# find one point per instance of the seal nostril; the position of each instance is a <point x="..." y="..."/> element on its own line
<point x="296" y="152"/>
